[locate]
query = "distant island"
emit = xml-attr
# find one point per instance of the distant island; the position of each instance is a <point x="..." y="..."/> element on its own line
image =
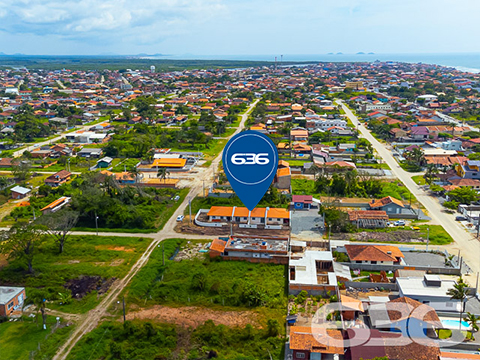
<point x="371" y="53"/>
<point x="339" y="53"/>
<point x="360" y="53"/>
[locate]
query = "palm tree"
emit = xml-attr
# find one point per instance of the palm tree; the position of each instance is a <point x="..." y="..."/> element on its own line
<point x="38" y="300"/>
<point x="430" y="173"/>
<point x="459" y="292"/>
<point x="472" y="321"/>
<point x="314" y="169"/>
<point x="134" y="172"/>
<point x="452" y="125"/>
<point x="163" y="173"/>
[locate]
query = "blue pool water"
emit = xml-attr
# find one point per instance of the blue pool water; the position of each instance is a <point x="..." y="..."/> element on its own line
<point x="453" y="324"/>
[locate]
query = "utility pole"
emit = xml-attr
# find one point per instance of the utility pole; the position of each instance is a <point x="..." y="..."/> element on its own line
<point x="190" y="209"/>
<point x="203" y="188"/>
<point x="124" y="319"/>
<point x="428" y="235"/>
<point x="96" y="221"/>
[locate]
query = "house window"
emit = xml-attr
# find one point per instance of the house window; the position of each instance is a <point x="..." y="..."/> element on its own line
<point x="449" y="304"/>
<point x="300" y="356"/>
<point x="373" y="262"/>
<point x="10" y="305"/>
<point x="358" y="262"/>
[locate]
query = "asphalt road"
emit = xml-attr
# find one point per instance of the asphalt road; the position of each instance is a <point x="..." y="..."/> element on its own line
<point x="465" y="242"/>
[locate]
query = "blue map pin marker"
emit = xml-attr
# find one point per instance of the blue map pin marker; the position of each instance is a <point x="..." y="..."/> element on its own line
<point x="250" y="161"/>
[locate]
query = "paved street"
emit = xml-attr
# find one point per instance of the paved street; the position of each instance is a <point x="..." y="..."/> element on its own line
<point x="468" y="245"/>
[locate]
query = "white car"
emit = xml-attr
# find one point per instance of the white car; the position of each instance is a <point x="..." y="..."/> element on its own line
<point x="399" y="223"/>
<point x="180" y="218"/>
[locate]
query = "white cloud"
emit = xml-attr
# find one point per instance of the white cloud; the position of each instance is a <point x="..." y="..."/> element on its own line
<point x="105" y="19"/>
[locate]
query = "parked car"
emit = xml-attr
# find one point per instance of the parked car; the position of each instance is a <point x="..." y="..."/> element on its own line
<point x="399" y="223"/>
<point x="460" y="218"/>
<point x="180" y="218"/>
<point x="176" y="198"/>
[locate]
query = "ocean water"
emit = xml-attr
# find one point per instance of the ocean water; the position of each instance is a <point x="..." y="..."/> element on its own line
<point x="465" y="61"/>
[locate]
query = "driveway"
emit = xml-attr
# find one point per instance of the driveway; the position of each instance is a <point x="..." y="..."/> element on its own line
<point x="306" y="223"/>
<point x="423" y="259"/>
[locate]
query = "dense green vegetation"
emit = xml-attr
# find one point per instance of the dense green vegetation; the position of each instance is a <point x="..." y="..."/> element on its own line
<point x="130" y="208"/>
<point x="46" y="62"/>
<point x="208" y="282"/>
<point x="337" y="185"/>
<point x="138" y="142"/>
<point x="20" y="339"/>
<point x="146" y="340"/>
<point x="83" y="256"/>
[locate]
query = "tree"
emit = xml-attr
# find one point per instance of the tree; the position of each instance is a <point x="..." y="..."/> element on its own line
<point x="459" y="292"/>
<point x="463" y="195"/>
<point x="20" y="242"/>
<point x="273" y="328"/>
<point x="38" y="298"/>
<point x="199" y="281"/>
<point x="430" y="174"/>
<point x="59" y="225"/>
<point x="163" y="173"/>
<point x="314" y="169"/>
<point x="472" y="320"/>
<point x="135" y="173"/>
<point x="22" y="170"/>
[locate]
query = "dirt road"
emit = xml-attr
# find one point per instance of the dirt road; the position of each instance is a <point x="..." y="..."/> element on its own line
<point x="91" y="319"/>
<point x="468" y="245"/>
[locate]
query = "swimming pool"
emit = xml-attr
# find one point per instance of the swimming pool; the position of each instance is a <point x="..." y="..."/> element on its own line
<point x="454" y="324"/>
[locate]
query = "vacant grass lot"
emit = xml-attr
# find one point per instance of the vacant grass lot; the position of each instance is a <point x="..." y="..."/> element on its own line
<point x="18" y="339"/>
<point x="419" y="179"/>
<point x="143" y="340"/>
<point x="92" y="256"/>
<point x="437" y="234"/>
<point x="208" y="282"/>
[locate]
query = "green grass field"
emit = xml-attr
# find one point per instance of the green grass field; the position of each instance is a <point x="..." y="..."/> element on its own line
<point x="108" y="257"/>
<point x="20" y="338"/>
<point x="208" y="282"/>
<point x="303" y="187"/>
<point x="419" y="179"/>
<point x="436" y="233"/>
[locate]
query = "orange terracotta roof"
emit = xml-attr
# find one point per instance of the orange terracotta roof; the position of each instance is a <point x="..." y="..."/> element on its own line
<point x="305" y="338"/>
<point x="283" y="172"/>
<point x="402" y="308"/>
<point x="241" y="211"/>
<point x="168" y="162"/>
<point x="373" y="252"/>
<point x="55" y="203"/>
<point x="218" y="245"/>
<point x="278" y="213"/>
<point x="220" y="211"/>
<point x="258" y="212"/>
<point x="349" y="303"/>
<point x="385" y="201"/>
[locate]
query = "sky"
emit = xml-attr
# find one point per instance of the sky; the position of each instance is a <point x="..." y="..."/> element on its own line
<point x="238" y="27"/>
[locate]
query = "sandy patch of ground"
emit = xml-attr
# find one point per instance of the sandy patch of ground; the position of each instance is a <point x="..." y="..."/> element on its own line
<point x="116" y="262"/>
<point x="114" y="248"/>
<point x="193" y="316"/>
